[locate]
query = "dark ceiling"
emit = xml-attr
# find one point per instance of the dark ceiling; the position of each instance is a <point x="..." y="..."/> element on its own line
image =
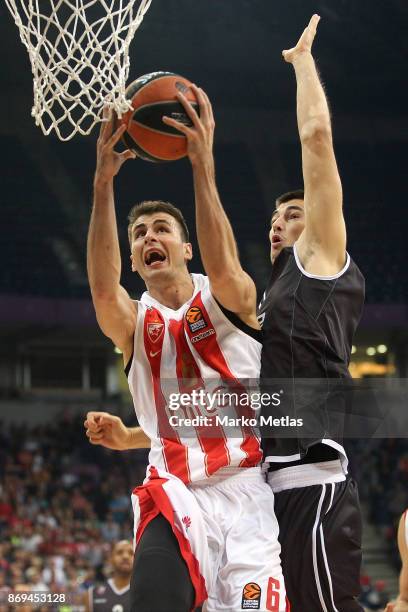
<point x="232" y="48"/>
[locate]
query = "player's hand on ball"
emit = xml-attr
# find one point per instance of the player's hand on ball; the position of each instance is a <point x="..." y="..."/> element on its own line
<point x="200" y="136"/>
<point x="305" y="42"/>
<point x="109" y="161"/>
<point x="106" y="430"/>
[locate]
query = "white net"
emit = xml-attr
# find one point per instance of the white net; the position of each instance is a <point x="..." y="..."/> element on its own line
<point x="79" y="53"/>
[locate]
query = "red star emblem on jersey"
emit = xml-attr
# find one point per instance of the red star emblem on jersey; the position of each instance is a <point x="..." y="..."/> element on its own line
<point x="155" y="331"/>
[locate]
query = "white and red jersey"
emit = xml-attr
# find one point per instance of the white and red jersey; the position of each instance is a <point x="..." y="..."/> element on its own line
<point x="194" y="347"/>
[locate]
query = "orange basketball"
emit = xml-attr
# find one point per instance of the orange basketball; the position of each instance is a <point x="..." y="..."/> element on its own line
<point x="193" y="314"/>
<point x="153" y="96"/>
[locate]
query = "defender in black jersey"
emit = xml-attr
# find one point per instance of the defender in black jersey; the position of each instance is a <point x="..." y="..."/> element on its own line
<point x="309" y="312"/>
<point x="114" y="595"/>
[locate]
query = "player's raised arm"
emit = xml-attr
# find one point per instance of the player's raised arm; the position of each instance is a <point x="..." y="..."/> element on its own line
<point x="230" y="284"/>
<point x="325" y="232"/>
<point x="115" y="311"/>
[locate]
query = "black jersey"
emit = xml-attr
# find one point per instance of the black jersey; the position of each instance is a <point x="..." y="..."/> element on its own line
<point x="308" y="325"/>
<point x="107" y="598"/>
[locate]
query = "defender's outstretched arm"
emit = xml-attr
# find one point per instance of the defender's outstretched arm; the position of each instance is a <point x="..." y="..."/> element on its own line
<point x="325" y="232"/>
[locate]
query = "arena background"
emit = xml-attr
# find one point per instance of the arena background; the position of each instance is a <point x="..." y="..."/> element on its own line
<point x="63" y="499"/>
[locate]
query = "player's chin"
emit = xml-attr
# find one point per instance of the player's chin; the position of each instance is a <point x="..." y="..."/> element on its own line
<point x="275" y="250"/>
<point x="159" y="268"/>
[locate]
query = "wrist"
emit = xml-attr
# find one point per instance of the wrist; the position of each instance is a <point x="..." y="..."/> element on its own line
<point x="102" y="182"/>
<point x="302" y="58"/>
<point x="204" y="166"/>
<point x="127" y="441"/>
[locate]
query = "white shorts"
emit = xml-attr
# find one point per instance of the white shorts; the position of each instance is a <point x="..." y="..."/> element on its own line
<point x="228" y="536"/>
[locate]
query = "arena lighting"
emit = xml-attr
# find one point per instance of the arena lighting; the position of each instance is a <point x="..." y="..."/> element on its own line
<point x="353" y="349"/>
<point x="382" y="348"/>
<point x="371" y="351"/>
<point x="117" y="350"/>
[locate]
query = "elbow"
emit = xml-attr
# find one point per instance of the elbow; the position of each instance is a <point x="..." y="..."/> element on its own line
<point x="228" y="276"/>
<point x="316" y="133"/>
<point x="100" y="293"/>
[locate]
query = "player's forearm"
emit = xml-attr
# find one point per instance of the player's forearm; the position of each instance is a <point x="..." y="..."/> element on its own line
<point x="103" y="252"/>
<point x="137" y="439"/>
<point x="313" y="113"/>
<point x="216" y="240"/>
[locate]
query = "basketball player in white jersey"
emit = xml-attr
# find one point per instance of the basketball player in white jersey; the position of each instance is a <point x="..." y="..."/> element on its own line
<point x="204" y="524"/>
<point x="114" y="594"/>
<point x="401" y="604"/>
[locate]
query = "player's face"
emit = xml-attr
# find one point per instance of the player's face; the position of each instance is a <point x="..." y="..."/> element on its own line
<point x="287" y="223"/>
<point x="122" y="557"/>
<point x="157" y="247"/>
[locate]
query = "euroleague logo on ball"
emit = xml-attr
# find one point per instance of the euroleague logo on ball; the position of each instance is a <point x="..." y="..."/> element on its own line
<point x="195" y="319"/>
<point x="181" y="87"/>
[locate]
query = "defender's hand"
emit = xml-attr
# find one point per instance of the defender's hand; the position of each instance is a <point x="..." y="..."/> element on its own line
<point x="305" y="42"/>
<point x="108" y="161"/>
<point x="200" y="137"/>
<point x="106" y="430"/>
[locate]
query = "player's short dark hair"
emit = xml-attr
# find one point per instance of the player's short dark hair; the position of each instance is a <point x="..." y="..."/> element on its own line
<point x="296" y="194"/>
<point x="149" y="207"/>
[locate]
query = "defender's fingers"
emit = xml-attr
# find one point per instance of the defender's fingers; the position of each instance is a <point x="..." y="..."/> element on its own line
<point x="311" y="29"/>
<point x="313" y="23"/>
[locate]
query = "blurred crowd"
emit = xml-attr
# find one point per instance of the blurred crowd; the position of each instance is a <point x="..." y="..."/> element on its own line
<point x="381" y="469"/>
<point x="62" y="504"/>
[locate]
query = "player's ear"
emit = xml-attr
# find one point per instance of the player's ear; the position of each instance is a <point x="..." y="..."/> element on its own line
<point x="133" y="264"/>
<point x="188" y="251"/>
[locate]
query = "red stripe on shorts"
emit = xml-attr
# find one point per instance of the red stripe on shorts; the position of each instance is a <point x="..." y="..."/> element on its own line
<point x="153" y="500"/>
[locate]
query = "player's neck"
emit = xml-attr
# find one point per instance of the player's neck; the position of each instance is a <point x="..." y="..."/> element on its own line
<point x="174" y="292"/>
<point x="121" y="582"/>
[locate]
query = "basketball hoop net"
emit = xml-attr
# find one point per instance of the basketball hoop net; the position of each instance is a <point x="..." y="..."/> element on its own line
<point x="79" y="54"/>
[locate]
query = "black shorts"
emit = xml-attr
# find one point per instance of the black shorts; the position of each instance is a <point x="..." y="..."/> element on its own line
<point x="320" y="535"/>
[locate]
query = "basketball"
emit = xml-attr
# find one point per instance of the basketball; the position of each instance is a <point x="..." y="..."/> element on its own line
<point x="153" y="96"/>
